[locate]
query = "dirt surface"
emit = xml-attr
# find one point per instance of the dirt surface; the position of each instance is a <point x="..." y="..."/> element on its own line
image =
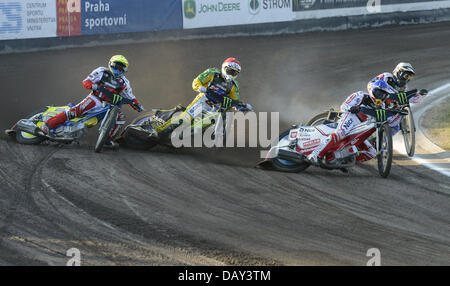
<point x="200" y="207"/>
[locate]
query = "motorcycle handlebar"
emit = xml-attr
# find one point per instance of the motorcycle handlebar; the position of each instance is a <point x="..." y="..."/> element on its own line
<point x="217" y="98"/>
<point x="377" y="112"/>
<point x="403" y="98"/>
<point x="116" y="99"/>
<point x="226" y="102"/>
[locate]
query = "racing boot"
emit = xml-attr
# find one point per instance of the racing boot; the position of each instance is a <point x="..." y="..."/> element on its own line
<point x="111" y="145"/>
<point x="314" y="157"/>
<point x="53" y="122"/>
<point x="44" y="129"/>
<point x="368" y="152"/>
<point x="293" y="144"/>
<point x="344" y="170"/>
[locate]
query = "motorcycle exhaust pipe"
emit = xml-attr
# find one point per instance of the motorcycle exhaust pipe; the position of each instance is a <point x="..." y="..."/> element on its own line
<point x="325" y="165"/>
<point x="290" y="156"/>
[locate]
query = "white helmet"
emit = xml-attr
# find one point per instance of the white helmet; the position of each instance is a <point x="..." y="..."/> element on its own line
<point x="231" y="67"/>
<point x="403" y="73"/>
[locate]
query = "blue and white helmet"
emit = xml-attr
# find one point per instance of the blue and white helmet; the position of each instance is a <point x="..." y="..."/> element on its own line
<point x="379" y="91"/>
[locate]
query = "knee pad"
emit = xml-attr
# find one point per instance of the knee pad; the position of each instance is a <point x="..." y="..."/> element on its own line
<point x="71" y="113"/>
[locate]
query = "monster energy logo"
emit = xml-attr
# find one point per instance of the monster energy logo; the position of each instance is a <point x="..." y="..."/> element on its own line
<point x="116" y="99"/>
<point x="402" y="98"/>
<point x="227" y="102"/>
<point x="381" y="115"/>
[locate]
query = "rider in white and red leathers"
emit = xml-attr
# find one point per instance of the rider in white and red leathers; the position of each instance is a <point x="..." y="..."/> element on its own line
<point x="398" y="80"/>
<point x="378" y="92"/>
<point x="96" y="79"/>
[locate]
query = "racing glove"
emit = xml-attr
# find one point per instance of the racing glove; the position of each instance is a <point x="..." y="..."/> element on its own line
<point x="137" y="106"/>
<point x="354" y="109"/>
<point x="423" y="92"/>
<point x="202" y="89"/>
<point x="419" y="97"/>
<point x="218" y="96"/>
<point x="244" y="107"/>
<point x="88" y="84"/>
<point x="217" y="91"/>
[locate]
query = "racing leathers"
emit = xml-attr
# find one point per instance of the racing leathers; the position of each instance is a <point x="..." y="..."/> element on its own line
<point x="216" y="89"/>
<point x="347" y="122"/>
<point x="96" y="82"/>
<point x="394" y="121"/>
<point x="212" y="79"/>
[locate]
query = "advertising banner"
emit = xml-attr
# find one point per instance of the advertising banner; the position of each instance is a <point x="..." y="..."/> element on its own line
<point x="119" y="16"/>
<point x="69" y="17"/>
<point x="210" y="13"/>
<point x="27" y="19"/>
<point x="316" y="9"/>
<point x="302" y="5"/>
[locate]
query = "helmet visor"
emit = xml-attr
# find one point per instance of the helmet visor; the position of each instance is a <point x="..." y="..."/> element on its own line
<point x="407" y="76"/>
<point x="230" y="71"/>
<point x="119" y="66"/>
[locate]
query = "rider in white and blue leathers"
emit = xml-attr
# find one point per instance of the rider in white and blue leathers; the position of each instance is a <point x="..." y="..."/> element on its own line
<point x="398" y="80"/>
<point x="378" y="92"/>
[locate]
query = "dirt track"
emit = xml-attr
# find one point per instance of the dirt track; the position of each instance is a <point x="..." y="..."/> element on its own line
<point x="176" y="207"/>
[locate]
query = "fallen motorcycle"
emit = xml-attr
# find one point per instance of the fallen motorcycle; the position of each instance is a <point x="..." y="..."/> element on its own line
<point x="27" y="131"/>
<point x="156" y="128"/>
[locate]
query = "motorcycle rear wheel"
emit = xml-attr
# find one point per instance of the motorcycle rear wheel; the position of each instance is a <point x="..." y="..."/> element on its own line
<point x="29" y="139"/>
<point x="134" y="141"/>
<point x="142" y="118"/>
<point x="317" y="119"/>
<point x="285" y="165"/>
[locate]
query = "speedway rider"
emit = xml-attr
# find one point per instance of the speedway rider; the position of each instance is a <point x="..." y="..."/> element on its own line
<point x="378" y="91"/>
<point x="398" y="80"/>
<point x="100" y="81"/>
<point x="219" y="84"/>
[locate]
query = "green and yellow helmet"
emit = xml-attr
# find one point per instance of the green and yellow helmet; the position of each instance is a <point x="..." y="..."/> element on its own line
<point x="118" y="65"/>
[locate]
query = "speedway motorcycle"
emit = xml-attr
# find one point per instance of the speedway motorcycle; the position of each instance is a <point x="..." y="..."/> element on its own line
<point x="27" y="131"/>
<point x="397" y="102"/>
<point x="295" y="144"/>
<point x="156" y="127"/>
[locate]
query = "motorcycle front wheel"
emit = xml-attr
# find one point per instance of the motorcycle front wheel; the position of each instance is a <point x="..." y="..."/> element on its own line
<point x="105" y="129"/>
<point x="408" y="131"/>
<point x="385" y="152"/>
